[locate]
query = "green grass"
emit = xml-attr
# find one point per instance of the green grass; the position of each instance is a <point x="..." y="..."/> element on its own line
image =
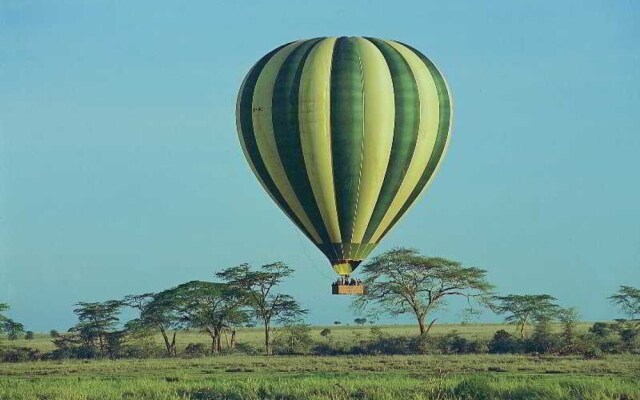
<point x="380" y="377"/>
<point x="441" y="377"/>
<point x="341" y="333"/>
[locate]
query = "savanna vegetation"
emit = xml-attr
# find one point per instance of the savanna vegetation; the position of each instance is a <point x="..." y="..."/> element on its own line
<point x="239" y="336"/>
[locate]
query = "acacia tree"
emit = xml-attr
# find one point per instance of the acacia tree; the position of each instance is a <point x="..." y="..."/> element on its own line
<point x="403" y="281"/>
<point x="156" y="313"/>
<point x="209" y="306"/>
<point x="257" y="289"/>
<point x="569" y="318"/>
<point x="521" y="310"/>
<point x="97" y="320"/>
<point x="12" y="328"/>
<point x="627" y="298"/>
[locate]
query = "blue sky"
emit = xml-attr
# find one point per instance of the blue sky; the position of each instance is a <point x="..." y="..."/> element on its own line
<point x="121" y="172"/>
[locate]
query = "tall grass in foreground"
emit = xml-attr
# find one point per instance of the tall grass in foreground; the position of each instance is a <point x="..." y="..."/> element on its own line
<point x="512" y="377"/>
<point x="336" y="388"/>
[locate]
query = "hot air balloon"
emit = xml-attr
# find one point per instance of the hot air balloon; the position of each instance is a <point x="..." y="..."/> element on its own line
<point x="344" y="134"/>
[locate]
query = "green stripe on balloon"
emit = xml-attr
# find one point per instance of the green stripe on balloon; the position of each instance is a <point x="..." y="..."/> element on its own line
<point x="287" y="132"/>
<point x="248" y="135"/>
<point x="347" y="130"/>
<point x="407" y="121"/>
<point x="444" y="123"/>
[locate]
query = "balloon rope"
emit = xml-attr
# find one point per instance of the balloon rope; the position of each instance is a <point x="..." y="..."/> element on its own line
<point x="313" y="265"/>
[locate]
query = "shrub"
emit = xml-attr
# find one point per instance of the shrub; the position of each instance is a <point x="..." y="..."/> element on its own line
<point x="294" y="339"/>
<point x="542" y="341"/>
<point x="19" y="354"/>
<point x="325" y="332"/>
<point x="477" y="346"/>
<point x="386" y="345"/>
<point x="248" y="349"/>
<point x="29" y="335"/>
<point x="141" y="347"/>
<point x="54" y="334"/>
<point x="503" y="342"/>
<point x="424" y="344"/>
<point x="451" y="343"/>
<point x="591" y="352"/>
<point x="196" y="350"/>
<point x="601" y="329"/>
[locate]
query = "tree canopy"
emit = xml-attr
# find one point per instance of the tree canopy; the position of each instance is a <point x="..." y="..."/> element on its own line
<point x="521" y="310"/>
<point x="403" y="281"/>
<point x="257" y="287"/>
<point x="627" y="298"/>
<point x="209" y="306"/>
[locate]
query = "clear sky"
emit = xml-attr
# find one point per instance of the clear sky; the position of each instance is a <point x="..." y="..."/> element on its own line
<point x="121" y="171"/>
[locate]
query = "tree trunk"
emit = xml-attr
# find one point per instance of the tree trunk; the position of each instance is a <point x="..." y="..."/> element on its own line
<point x="232" y="345"/>
<point x="215" y="344"/>
<point x="167" y="345"/>
<point x="173" y="345"/>
<point x="430" y="325"/>
<point x="219" y="343"/>
<point x="423" y="330"/>
<point x="101" y="345"/>
<point x="267" y="340"/>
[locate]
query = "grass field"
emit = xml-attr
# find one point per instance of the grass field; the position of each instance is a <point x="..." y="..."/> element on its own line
<point x="311" y="377"/>
<point x="302" y="377"/>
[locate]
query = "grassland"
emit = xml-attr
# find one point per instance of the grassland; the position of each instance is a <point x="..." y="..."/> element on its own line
<point x="303" y="377"/>
<point x="308" y="377"/>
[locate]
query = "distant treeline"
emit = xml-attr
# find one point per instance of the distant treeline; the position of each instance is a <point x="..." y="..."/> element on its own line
<point x="400" y="281"/>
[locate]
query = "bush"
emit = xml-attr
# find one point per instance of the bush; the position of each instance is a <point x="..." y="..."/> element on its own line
<point x="453" y="343"/>
<point x="29" y="335"/>
<point x="248" y="349"/>
<point x="503" y="342"/>
<point x="294" y="339"/>
<point x="196" y="350"/>
<point x="591" y="352"/>
<point x="325" y="332"/>
<point x="629" y="332"/>
<point x="477" y="346"/>
<point x="143" y="347"/>
<point x="19" y="354"/>
<point x="54" y="334"/>
<point x="601" y="329"/>
<point x="543" y="341"/>
<point x="386" y="345"/>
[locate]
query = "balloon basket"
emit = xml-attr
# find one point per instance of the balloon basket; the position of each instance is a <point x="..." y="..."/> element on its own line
<point x="347" y="289"/>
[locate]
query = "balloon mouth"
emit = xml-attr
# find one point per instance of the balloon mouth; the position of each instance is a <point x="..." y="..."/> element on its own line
<point x="345" y="267"/>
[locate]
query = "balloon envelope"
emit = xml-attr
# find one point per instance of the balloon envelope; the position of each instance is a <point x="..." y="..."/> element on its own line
<point x="344" y="134"/>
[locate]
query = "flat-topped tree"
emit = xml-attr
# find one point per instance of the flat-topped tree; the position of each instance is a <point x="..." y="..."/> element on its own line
<point x="156" y="313"/>
<point x="521" y="310"/>
<point x="257" y="288"/>
<point x="209" y="306"/>
<point x="96" y="320"/>
<point x="12" y="328"/>
<point x="403" y="281"/>
<point x="627" y="298"/>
